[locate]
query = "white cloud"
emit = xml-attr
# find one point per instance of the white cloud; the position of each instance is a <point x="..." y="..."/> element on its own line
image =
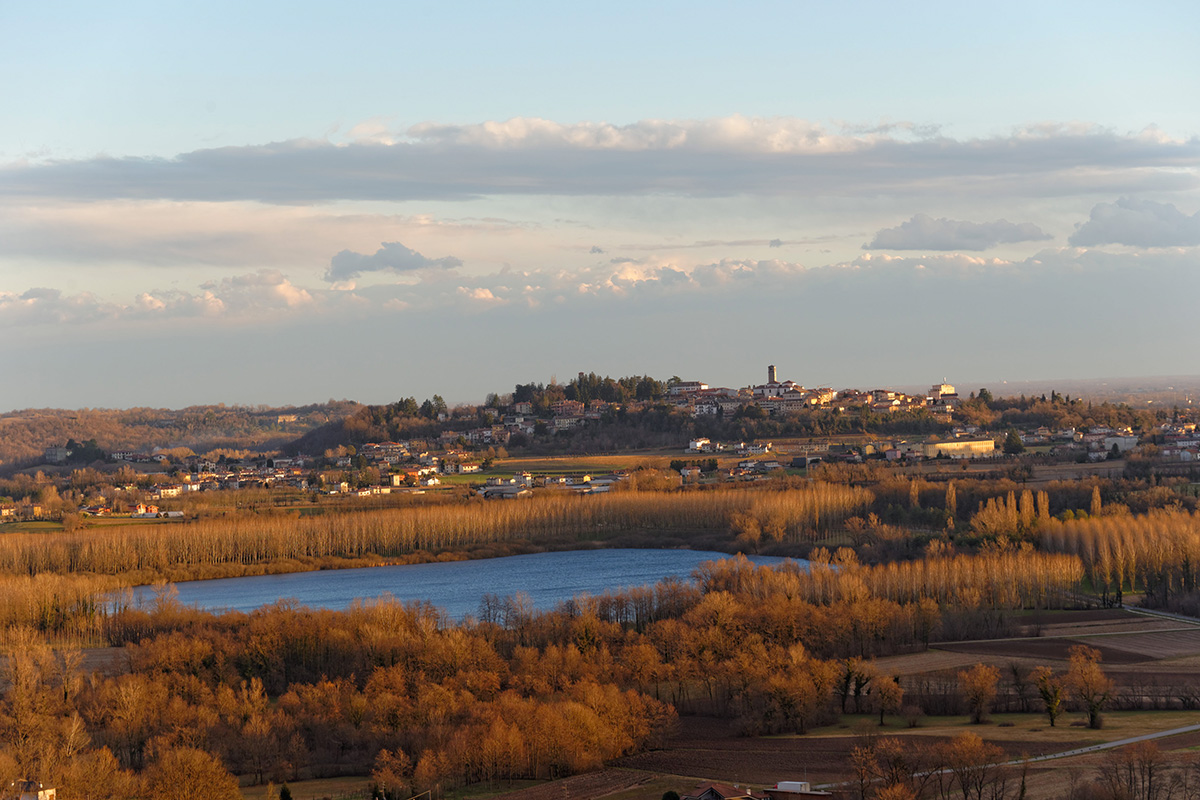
<point x="42" y="306"/>
<point x="252" y="297"/>
<point x="1140" y="223"/>
<point x="923" y="232"/>
<point x="732" y="284"/>
<point x="480" y="294"/>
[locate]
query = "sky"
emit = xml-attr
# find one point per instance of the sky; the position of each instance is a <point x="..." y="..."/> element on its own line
<point x="282" y="203"/>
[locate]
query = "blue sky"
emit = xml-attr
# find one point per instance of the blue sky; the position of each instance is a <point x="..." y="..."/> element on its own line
<point x="291" y="202"/>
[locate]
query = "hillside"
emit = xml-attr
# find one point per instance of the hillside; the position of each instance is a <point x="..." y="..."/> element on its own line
<point x="25" y="434"/>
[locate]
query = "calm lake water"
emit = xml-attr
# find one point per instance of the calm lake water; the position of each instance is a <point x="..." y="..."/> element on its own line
<point x="457" y="586"/>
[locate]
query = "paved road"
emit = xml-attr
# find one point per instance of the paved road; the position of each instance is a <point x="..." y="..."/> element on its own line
<point x="1095" y="748"/>
<point x="1153" y="612"/>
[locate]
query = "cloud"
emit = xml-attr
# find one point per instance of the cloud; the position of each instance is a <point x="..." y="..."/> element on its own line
<point x="43" y="306"/>
<point x="706" y="244"/>
<point x="391" y="257"/>
<point x="733" y="285"/>
<point x="254" y="296"/>
<point x="723" y="157"/>
<point x="923" y="232"/>
<point x="596" y="250"/>
<point x="1139" y="223"/>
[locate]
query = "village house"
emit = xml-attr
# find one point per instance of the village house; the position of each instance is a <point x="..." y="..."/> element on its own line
<point x="567" y="408"/>
<point x="723" y="791"/>
<point x="686" y="388"/>
<point x="28" y="790"/>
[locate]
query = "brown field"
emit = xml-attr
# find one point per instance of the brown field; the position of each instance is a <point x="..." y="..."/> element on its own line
<point x="934" y="660"/>
<point x="1177" y="643"/>
<point x="707" y="749"/>
<point x="1125" y="640"/>
<point x="605" y="783"/>
<point x="1044" y="649"/>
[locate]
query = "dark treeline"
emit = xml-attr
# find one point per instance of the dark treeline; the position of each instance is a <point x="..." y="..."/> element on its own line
<point x="1055" y="411"/>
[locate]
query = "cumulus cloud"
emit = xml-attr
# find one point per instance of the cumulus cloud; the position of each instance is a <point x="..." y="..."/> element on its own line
<point x="252" y="296"/>
<point x="712" y="157"/>
<point x="391" y="257"/>
<point x="923" y="232"/>
<point x="43" y="306"/>
<point x="1140" y="223"/>
<point x="269" y="295"/>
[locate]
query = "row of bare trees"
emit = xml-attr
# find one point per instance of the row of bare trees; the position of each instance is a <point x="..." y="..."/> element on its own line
<point x="242" y="540"/>
<point x="1000" y="576"/>
<point x="1157" y="554"/>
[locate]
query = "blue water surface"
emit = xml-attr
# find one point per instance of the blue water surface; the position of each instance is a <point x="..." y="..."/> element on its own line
<point x="454" y="586"/>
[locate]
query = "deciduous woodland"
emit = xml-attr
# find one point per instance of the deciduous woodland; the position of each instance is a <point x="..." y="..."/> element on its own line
<point x="417" y="702"/>
<point x="285" y="691"/>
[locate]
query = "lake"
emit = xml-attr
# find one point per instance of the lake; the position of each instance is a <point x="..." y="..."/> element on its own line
<point x="454" y="586"/>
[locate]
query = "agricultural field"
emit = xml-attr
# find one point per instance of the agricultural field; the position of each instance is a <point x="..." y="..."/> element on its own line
<point x="705" y="749"/>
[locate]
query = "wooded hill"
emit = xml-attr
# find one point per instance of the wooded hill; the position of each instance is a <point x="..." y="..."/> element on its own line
<point x="25" y="434"/>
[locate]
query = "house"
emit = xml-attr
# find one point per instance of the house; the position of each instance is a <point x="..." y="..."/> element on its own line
<point x="28" y="790"/>
<point x="786" y="790"/>
<point x="507" y="492"/>
<point x="56" y="455"/>
<point x="686" y="387"/>
<point x="1123" y="444"/>
<point x="723" y="791"/>
<point x="497" y="480"/>
<point x="567" y="408"/>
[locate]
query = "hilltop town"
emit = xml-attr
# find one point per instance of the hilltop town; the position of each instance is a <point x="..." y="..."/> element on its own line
<point x="703" y="434"/>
